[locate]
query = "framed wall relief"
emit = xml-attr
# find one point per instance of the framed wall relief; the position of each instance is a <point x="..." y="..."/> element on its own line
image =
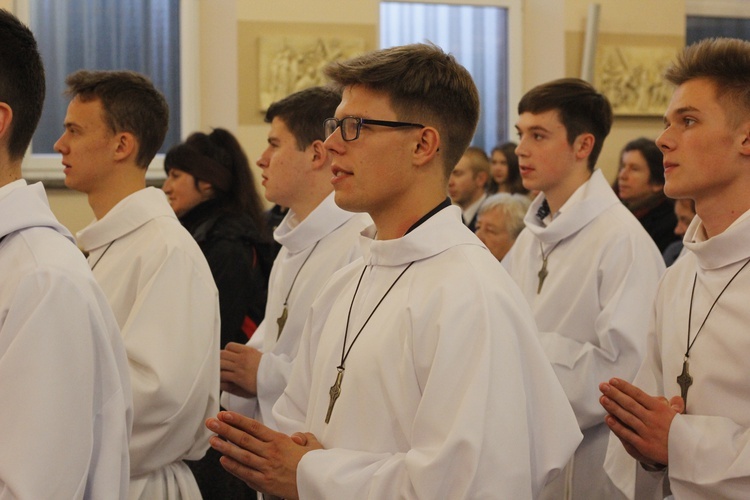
<point x="275" y="59"/>
<point x="632" y="78"/>
<point x="292" y="63"/>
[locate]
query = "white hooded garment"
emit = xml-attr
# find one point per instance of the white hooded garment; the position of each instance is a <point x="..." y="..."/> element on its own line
<point x="66" y="407"/>
<point x="163" y="295"/>
<point x="592" y="310"/>
<point x="311" y="251"/>
<point x="446" y="393"/>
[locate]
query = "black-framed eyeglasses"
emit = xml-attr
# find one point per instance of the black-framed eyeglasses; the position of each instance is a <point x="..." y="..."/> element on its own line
<point x="351" y="125"/>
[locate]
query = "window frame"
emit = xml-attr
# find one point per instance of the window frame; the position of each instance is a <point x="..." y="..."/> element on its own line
<point x="48" y="167"/>
<point x="717" y="8"/>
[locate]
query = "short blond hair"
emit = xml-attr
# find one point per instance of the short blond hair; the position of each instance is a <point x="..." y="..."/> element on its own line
<point x="723" y="61"/>
<point x="478" y="160"/>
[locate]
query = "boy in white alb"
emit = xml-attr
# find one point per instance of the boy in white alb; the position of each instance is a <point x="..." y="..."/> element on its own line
<point x="584" y="263"/>
<point x="153" y="274"/>
<point x="317" y="238"/>
<point x="686" y="417"/>
<point x="401" y="391"/>
<point x="67" y="410"/>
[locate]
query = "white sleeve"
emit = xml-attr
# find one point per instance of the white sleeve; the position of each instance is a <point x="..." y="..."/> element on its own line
<point x="709" y="457"/>
<point x="52" y="369"/>
<point x="173" y="354"/>
<point x="627" y="281"/>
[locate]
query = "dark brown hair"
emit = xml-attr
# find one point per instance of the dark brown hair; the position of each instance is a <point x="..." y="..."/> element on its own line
<point x="425" y="85"/>
<point x="514" y="181"/>
<point x="653" y="156"/>
<point x="580" y="107"/>
<point x="22" y="84"/>
<point x="223" y="158"/>
<point x="131" y="104"/>
<point x="304" y="112"/>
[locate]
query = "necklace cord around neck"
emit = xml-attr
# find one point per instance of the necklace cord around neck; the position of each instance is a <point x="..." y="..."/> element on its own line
<point x="102" y="255"/>
<point x="690" y="313"/>
<point x="294" y="280"/>
<point x="344" y="351"/>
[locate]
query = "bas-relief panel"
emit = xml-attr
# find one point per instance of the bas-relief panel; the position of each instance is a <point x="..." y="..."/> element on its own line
<point x="632" y="78"/>
<point x="292" y="63"/>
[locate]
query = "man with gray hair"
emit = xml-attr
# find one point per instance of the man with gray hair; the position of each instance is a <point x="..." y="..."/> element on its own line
<point x="500" y="221"/>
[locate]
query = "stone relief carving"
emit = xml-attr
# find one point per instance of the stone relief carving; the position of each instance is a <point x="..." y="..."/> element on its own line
<point x="292" y="63"/>
<point x="632" y="78"/>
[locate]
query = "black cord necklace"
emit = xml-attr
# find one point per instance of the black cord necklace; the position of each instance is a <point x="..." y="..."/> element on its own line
<point x="102" y="255"/>
<point x="281" y="320"/>
<point x="335" y="390"/>
<point x="684" y="379"/>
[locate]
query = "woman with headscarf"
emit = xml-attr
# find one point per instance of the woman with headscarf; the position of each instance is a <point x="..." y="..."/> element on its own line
<point x="210" y="187"/>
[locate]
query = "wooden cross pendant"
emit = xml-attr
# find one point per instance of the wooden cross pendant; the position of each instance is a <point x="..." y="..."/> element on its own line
<point x="542" y="275"/>
<point x="335" y="392"/>
<point x="281" y="321"/>
<point x="685" y="381"/>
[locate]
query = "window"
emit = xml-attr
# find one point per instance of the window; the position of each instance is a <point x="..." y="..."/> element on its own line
<point x="148" y="36"/>
<point x="484" y="38"/>
<point x="711" y="18"/>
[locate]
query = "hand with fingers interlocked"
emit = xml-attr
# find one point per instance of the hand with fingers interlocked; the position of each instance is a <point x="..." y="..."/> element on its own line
<point x="639" y="420"/>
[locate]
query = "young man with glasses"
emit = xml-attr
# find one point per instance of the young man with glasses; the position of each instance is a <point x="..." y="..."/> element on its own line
<point x="317" y="238"/>
<point x="419" y="373"/>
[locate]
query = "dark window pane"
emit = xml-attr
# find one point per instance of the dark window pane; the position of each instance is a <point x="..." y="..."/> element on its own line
<point x="138" y="35"/>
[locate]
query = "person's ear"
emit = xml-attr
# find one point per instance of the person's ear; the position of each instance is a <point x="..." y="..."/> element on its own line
<point x="583" y="145"/>
<point x="6" y="118"/>
<point x="427" y="145"/>
<point x="125" y="146"/>
<point x="319" y="155"/>
<point x="205" y="189"/>
<point x="745" y="139"/>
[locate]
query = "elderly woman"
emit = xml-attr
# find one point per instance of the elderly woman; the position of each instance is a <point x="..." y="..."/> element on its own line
<point x="500" y="221"/>
<point x="210" y="187"/>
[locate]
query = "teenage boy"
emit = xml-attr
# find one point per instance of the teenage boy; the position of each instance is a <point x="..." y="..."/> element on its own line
<point x="698" y="345"/>
<point x="584" y="263"/>
<point x="66" y="409"/>
<point x="152" y="272"/>
<point x="401" y="391"/>
<point x="317" y="238"/>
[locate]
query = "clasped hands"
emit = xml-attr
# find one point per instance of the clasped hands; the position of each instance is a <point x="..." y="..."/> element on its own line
<point x="639" y="420"/>
<point x="264" y="459"/>
<point x="239" y="369"/>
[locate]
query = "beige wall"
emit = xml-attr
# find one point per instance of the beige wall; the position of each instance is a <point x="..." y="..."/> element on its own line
<point x="551" y="49"/>
<point x="304" y="17"/>
<point x="624" y="22"/>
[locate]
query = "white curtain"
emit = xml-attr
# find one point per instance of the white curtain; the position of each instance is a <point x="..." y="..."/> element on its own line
<point x="476" y="36"/>
<point x="138" y="35"/>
